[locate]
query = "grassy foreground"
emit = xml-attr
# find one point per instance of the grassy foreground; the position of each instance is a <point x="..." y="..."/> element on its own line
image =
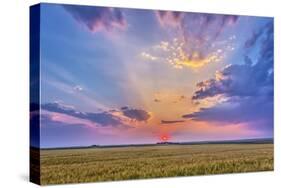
<point x="106" y="164"/>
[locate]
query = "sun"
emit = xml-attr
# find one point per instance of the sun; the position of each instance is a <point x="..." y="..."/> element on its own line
<point x="165" y="137"/>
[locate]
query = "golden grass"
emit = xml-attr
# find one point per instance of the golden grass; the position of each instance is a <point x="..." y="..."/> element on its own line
<point x="106" y="164"/>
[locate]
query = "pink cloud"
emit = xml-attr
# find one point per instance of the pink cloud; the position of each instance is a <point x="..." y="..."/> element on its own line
<point x="98" y="18"/>
<point x="67" y="119"/>
<point x="169" y="18"/>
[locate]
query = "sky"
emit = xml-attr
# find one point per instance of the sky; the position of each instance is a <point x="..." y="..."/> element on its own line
<point x="130" y="76"/>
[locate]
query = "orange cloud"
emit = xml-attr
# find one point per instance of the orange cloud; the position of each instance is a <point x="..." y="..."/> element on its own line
<point x="181" y="54"/>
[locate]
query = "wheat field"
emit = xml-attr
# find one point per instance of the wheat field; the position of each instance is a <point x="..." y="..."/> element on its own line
<point x="123" y="163"/>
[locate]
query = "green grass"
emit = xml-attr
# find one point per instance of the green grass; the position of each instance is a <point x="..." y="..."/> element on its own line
<point x="106" y="164"/>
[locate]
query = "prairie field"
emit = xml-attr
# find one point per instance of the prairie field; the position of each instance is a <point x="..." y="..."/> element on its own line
<point x="122" y="163"/>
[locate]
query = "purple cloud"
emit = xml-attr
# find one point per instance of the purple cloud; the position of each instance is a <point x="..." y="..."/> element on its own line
<point x="97" y="18"/>
<point x="257" y="35"/>
<point x="213" y="23"/>
<point x="236" y="110"/>
<point x="243" y="80"/>
<point x="247" y="87"/>
<point x="169" y="18"/>
<point x="237" y="80"/>
<point x="252" y="41"/>
<point x="102" y="118"/>
<point x="135" y="114"/>
<point x="198" y="36"/>
<point x="106" y="118"/>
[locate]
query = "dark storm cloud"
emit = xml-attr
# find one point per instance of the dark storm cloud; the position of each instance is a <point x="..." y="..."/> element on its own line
<point x="136" y="114"/>
<point x="97" y="18"/>
<point x="248" y="88"/>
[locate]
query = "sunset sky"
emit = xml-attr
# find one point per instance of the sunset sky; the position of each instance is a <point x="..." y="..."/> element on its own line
<point x="130" y="76"/>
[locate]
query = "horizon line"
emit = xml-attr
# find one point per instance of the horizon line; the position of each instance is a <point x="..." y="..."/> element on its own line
<point x="156" y="143"/>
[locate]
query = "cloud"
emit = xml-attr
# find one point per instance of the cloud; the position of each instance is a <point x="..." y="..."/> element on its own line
<point x="256" y="35"/>
<point x="148" y="56"/>
<point x="198" y="41"/>
<point x="112" y="117"/>
<point x="157" y="100"/>
<point x="102" y="118"/>
<point x="124" y="108"/>
<point x="164" y="45"/>
<point x="171" y="122"/>
<point x="236" y="111"/>
<point x="182" y="97"/>
<point x="251" y="41"/>
<point x="78" y="88"/>
<point x="60" y="108"/>
<point x="180" y="55"/>
<point x="135" y="114"/>
<point x="193" y="59"/>
<point x="97" y="18"/>
<point x="169" y="18"/>
<point x="201" y="23"/>
<point x="226" y="20"/>
<point x="243" y="80"/>
<point x="186" y="20"/>
<point x="247" y="88"/>
<point x="237" y="80"/>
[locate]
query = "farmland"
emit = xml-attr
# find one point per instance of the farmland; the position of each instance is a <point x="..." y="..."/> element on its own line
<point x="122" y="163"/>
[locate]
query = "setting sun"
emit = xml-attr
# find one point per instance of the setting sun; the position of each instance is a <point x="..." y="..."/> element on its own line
<point x="165" y="138"/>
